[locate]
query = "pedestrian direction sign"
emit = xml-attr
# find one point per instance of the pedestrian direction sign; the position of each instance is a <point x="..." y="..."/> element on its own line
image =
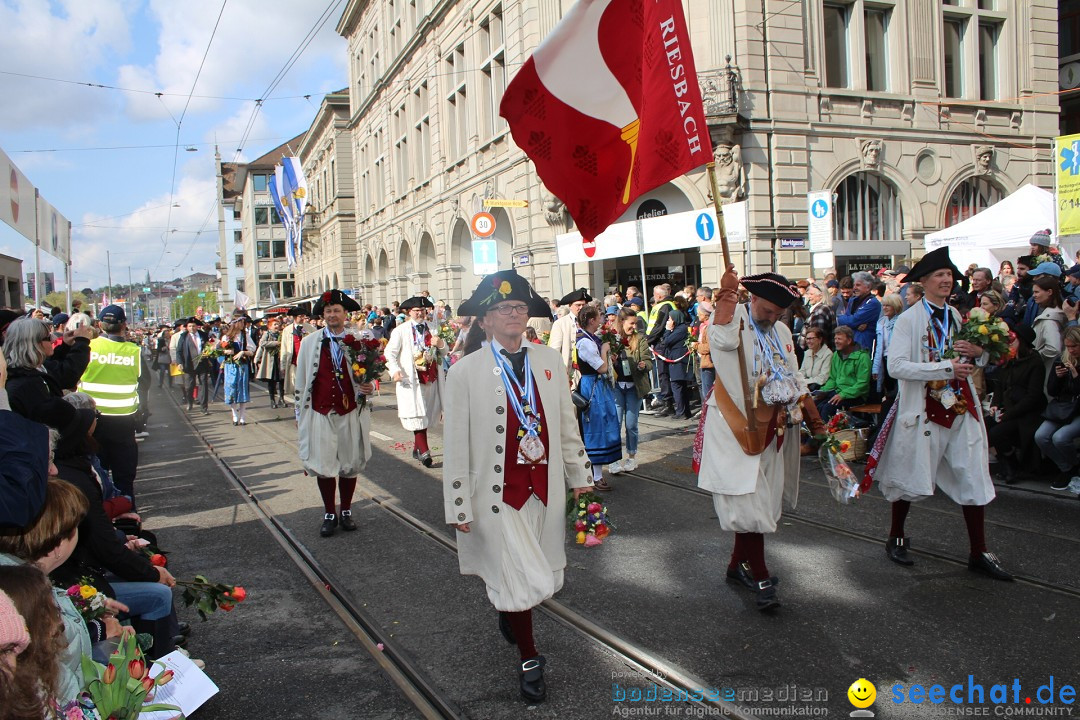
<point x="705" y="226"/>
<point x="485" y="254"/>
<point x="820" y="220"/>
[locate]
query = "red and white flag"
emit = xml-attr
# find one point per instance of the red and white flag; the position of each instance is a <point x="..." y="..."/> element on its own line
<point x="608" y="107"/>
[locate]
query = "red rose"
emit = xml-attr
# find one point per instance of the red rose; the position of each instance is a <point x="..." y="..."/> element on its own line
<point x="238" y="593"/>
<point x="159" y="560"/>
<point x="349" y="339"/>
<point x="227" y="607"/>
<point x="326" y="296"/>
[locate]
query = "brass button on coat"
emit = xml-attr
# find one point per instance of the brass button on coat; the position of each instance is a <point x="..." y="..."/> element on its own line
<point x="457" y="484"/>
<point x="498" y="468"/>
<point x="495" y="508"/>
<point x="500" y="410"/>
<point x="499" y="449"/>
<point x="496" y="488"/>
<point x="499" y="429"/>
<point x="458" y="501"/>
<point x="461" y="517"/>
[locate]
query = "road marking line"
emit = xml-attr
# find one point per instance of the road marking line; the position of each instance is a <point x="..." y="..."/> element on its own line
<point x="380" y="436"/>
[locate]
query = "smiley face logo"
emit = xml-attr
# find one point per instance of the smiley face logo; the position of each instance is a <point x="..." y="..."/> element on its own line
<point x="862" y="693"/>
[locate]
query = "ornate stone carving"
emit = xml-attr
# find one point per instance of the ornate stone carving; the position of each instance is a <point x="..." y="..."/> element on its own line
<point x="556" y="214"/>
<point x="984" y="159"/>
<point x="730" y="171"/>
<point x="870" y="153"/>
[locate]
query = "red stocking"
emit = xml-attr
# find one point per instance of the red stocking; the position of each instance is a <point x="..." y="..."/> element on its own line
<point x="738" y="553"/>
<point x="420" y="441"/>
<point x="522" y="626"/>
<point x="346" y="488"/>
<point x="974" y="517"/>
<point x="326" y="489"/>
<point x="754" y="546"/>
<point x="899" y="515"/>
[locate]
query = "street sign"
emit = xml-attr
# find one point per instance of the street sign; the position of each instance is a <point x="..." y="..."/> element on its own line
<point x="483" y="225"/>
<point x="820" y="220"/>
<point x="504" y="203"/>
<point x="792" y="243"/>
<point x="202" y="295"/>
<point x="521" y="260"/>
<point x="705" y="226"/>
<point x="485" y="257"/>
<point x="146" y="289"/>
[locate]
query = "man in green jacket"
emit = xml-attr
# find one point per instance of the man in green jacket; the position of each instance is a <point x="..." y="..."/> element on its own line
<point x="849" y="375"/>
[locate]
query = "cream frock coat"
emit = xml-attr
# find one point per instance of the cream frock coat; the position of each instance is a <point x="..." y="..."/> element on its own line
<point x="418" y="406"/>
<point x="330" y="445"/>
<point x="748" y="490"/>
<point x="920" y="454"/>
<point x="287" y="370"/>
<point x="563" y="339"/>
<point x="520" y="555"/>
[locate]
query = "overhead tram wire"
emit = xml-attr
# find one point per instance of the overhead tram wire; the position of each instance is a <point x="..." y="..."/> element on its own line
<point x="179" y="123"/>
<point x="135" y="147"/>
<point x="304" y="43"/>
<point x="159" y="93"/>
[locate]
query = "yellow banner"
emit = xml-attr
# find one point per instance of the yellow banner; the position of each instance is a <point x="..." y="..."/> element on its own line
<point x="1067" y="186"/>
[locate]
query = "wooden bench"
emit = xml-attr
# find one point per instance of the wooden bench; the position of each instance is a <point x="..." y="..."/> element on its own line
<point x="868" y="409"/>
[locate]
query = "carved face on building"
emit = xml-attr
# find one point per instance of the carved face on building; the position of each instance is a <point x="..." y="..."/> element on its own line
<point x="871" y="152"/>
<point x="982" y="160"/>
<point x="723" y="155"/>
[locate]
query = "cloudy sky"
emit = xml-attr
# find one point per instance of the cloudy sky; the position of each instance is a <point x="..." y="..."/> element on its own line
<point x="106" y="158"/>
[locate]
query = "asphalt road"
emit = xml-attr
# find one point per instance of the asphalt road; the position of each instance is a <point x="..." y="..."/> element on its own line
<point x="658" y="582"/>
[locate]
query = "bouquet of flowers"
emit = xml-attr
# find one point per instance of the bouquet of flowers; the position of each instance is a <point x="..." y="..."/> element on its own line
<point x="611" y="337"/>
<point x="208" y="596"/>
<point x="211" y="351"/>
<point x="545" y="337"/>
<point x="842" y="481"/>
<point x="121" y="688"/>
<point x="87" y="600"/>
<point x="448" y="333"/>
<point x="366" y="357"/>
<point x="988" y="332"/>
<point x="590" y="519"/>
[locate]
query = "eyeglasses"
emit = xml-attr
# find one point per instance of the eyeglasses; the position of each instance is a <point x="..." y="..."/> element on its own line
<point x="507" y="310"/>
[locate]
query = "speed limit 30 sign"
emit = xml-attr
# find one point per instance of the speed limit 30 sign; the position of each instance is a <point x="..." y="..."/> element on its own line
<point x="483" y="224"/>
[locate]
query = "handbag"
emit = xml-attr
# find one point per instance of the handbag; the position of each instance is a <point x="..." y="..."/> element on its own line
<point x="1059" y="410"/>
<point x="581" y="402"/>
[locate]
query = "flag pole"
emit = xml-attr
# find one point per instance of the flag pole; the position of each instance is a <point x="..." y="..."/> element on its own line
<point x="720" y="227"/>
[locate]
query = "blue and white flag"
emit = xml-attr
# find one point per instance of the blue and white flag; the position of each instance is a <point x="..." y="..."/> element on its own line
<point x="285" y="212"/>
<point x="296" y="188"/>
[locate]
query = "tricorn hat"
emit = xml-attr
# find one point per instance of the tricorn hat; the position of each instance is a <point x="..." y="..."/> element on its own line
<point x="334" y="297"/>
<point x="195" y="320"/>
<point x="576" y="296"/>
<point x="303" y="308"/>
<point x="932" y="262"/>
<point x="417" y="301"/>
<point x="500" y="286"/>
<point x="777" y="289"/>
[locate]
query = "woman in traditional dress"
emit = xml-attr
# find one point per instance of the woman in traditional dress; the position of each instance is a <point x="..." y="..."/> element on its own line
<point x="237" y="370"/>
<point x="268" y="363"/>
<point x="600" y="429"/>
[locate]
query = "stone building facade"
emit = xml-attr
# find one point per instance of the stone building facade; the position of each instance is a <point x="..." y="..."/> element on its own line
<point x="328" y="259"/>
<point x="914" y="113"/>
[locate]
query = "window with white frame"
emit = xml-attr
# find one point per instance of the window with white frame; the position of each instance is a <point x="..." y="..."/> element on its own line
<point x="493" y="71"/>
<point x="421" y="114"/>
<point x="402" y="169"/>
<point x="857" y="51"/>
<point x="373" y="54"/>
<point x="867" y="208"/>
<point x="379" y="179"/>
<point x="970" y="197"/>
<point x="365" y="181"/>
<point x="972" y="48"/>
<point x="457" y="126"/>
<point x="393" y="18"/>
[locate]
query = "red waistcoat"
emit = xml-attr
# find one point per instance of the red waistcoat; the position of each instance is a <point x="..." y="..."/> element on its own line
<point x="330" y="394"/>
<point x="521" y="481"/>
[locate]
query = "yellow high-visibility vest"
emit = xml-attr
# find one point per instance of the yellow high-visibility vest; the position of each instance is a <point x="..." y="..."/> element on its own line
<point x="112" y="377"/>
<point x="654" y="311"/>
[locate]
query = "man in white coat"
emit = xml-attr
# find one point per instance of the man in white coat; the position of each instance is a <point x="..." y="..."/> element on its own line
<point x="750" y="445"/>
<point x="332" y="415"/>
<point x="413" y="359"/>
<point x="512" y="450"/>
<point x="291" y="336"/>
<point x="564" y="330"/>
<point x="934" y="435"/>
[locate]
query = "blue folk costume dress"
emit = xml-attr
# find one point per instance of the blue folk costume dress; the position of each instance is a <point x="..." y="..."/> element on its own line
<point x="601" y="431"/>
<point x="237" y="378"/>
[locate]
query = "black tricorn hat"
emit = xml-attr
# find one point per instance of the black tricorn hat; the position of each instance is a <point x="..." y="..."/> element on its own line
<point x="334" y="297"/>
<point x="501" y="286"/>
<point x="303" y="308"/>
<point x="195" y="320"/>
<point x="932" y="262"/>
<point x="777" y="289"/>
<point x="577" y="295"/>
<point x="417" y="301"/>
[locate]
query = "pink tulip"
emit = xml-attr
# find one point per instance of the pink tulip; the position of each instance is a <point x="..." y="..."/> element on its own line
<point x="592" y="541"/>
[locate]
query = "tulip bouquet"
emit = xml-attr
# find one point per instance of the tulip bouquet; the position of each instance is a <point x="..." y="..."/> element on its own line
<point x="120" y="689"/>
<point x="988" y="332"/>
<point x="590" y="518"/>
<point x="208" y="596"/>
<point x="842" y="481"/>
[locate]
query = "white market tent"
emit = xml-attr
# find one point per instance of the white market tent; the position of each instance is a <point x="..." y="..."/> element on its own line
<point x="1002" y="231"/>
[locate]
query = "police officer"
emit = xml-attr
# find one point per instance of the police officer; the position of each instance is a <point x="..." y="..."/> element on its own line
<point x="116" y="378"/>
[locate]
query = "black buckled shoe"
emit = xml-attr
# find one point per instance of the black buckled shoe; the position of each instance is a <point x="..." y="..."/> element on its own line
<point x="896" y="550"/>
<point x="742" y="575"/>
<point x="425" y="458"/>
<point x="346" y="521"/>
<point x="767" y="598"/>
<point x="988" y="564"/>
<point x="183" y="628"/>
<point x="533" y="688"/>
<point x="505" y="629"/>
<point x="179" y="640"/>
<point x="329" y="522"/>
<point x="415" y="454"/>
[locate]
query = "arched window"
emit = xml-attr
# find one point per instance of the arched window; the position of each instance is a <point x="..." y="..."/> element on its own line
<point x="867" y="208"/>
<point x="971" y="196"/>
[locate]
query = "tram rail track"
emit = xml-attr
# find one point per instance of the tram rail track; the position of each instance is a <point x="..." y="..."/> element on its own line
<point x="839" y="530"/>
<point x="420" y="690"/>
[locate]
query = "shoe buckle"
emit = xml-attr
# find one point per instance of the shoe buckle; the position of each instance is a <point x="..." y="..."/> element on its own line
<point x="531" y="664"/>
<point x="329" y="516"/>
<point x="346" y="513"/>
<point x="764" y="584"/>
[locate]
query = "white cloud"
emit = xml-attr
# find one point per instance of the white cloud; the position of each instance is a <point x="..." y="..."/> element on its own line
<point x="69" y="45"/>
<point x="252" y="43"/>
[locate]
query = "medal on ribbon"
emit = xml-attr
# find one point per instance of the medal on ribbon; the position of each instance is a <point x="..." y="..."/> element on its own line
<point x="522" y="400"/>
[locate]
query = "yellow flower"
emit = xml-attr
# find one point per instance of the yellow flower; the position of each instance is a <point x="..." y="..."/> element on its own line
<point x="87" y="592"/>
<point x="362" y="372"/>
<point x="504" y="289"/>
<point x="356" y="367"/>
<point x="994" y="338"/>
<point x="983" y="330"/>
<point x="845" y="446"/>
